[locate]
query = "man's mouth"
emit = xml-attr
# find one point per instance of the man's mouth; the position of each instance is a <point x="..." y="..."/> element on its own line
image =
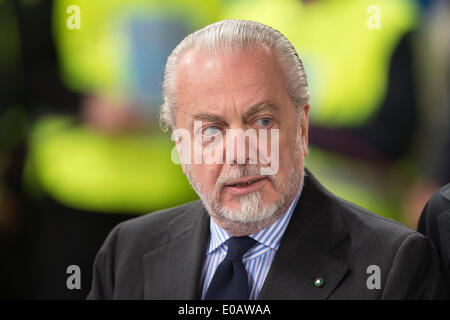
<point x="243" y="182"/>
<point x="244" y="185"/>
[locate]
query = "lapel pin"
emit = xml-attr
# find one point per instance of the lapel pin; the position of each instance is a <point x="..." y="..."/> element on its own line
<point x="318" y="282"/>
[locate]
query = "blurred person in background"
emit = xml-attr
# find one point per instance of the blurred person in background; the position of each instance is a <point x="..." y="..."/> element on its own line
<point x="434" y="147"/>
<point x="93" y="152"/>
<point x="434" y="222"/>
<point x="431" y="153"/>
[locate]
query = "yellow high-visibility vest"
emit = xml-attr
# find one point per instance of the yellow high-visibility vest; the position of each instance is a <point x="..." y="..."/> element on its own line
<point x="85" y="169"/>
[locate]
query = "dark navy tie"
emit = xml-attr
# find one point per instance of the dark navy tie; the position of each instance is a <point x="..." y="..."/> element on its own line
<point x="230" y="281"/>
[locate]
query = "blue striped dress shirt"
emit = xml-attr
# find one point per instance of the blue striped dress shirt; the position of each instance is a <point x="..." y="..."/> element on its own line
<point x="257" y="260"/>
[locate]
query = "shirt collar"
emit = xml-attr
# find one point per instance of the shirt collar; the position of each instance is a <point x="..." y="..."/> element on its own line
<point x="270" y="236"/>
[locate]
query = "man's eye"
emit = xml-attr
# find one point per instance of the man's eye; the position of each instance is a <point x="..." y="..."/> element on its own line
<point x="211" y="131"/>
<point x="264" y="122"/>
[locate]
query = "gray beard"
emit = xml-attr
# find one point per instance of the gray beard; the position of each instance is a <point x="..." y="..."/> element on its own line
<point x="253" y="215"/>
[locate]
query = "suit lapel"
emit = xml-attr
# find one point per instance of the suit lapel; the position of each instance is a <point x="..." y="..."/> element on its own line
<point x="172" y="271"/>
<point x="316" y="227"/>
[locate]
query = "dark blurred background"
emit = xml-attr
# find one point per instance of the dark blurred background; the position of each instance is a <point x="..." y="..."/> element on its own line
<point x="80" y="89"/>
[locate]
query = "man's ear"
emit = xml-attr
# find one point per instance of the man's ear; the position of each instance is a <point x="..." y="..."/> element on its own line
<point x="305" y="126"/>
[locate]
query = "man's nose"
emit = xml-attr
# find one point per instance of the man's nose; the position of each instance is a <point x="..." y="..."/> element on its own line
<point x="235" y="161"/>
<point x="241" y="146"/>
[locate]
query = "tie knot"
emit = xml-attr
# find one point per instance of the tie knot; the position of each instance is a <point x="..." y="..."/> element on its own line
<point x="237" y="247"/>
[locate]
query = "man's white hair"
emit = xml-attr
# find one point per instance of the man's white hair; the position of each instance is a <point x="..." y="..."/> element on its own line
<point x="229" y="36"/>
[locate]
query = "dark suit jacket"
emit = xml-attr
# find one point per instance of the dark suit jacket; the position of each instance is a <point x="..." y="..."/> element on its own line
<point x="435" y="223"/>
<point x="160" y="255"/>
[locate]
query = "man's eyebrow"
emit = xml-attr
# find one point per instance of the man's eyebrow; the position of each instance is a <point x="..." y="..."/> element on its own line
<point x="262" y="106"/>
<point x="206" y="116"/>
<point x="211" y="117"/>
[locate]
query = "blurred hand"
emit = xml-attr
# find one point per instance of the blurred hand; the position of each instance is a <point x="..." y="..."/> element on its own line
<point x="112" y="116"/>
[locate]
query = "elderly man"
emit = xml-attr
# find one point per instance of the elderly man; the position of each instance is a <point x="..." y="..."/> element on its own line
<point x="264" y="228"/>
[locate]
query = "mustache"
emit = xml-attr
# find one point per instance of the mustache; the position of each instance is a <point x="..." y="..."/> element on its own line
<point x="239" y="172"/>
